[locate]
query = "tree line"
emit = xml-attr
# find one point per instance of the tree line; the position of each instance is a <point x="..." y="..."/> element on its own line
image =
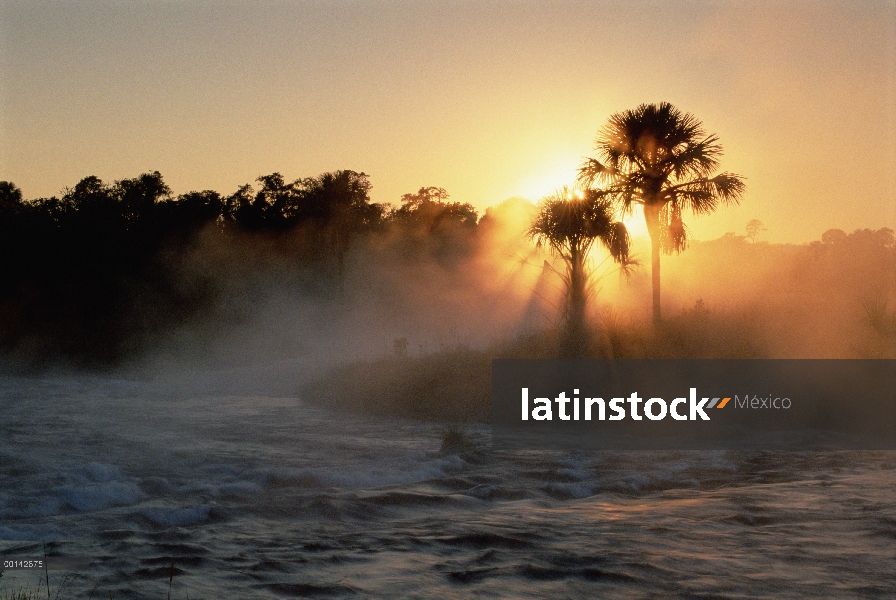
<point x="86" y="276"/>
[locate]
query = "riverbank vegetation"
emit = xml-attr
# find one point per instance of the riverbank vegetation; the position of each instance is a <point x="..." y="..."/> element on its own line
<point x="107" y="273"/>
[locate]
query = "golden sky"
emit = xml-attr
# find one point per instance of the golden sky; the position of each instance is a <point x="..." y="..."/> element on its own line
<point x="486" y="99"/>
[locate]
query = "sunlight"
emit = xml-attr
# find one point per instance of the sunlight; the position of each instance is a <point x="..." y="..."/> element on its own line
<point x="547" y="182"/>
<point x="635" y="224"/>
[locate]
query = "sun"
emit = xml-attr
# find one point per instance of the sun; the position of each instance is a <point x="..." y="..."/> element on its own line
<point x="564" y="173"/>
<point x="547" y="182"/>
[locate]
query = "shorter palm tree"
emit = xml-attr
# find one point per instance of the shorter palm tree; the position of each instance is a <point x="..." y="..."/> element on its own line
<point x="569" y="222"/>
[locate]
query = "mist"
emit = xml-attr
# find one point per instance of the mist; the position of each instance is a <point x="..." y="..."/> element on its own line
<point x="247" y="402"/>
<point x="250" y="292"/>
<point x="421" y="314"/>
<point x="831" y="298"/>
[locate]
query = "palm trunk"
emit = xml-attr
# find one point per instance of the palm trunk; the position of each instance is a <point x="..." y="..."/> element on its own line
<point x="652" y="218"/>
<point x="575" y="343"/>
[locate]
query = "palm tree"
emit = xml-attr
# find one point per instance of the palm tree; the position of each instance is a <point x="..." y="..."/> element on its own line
<point x="569" y="222"/>
<point x="662" y="159"/>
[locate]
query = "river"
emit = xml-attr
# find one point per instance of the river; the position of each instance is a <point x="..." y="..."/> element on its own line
<point x="251" y="492"/>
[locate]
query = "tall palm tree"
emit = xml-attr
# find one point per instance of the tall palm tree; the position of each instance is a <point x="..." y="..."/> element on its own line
<point x="569" y="222"/>
<point x="662" y="159"/>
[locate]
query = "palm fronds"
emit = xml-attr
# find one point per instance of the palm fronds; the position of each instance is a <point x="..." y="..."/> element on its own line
<point x="569" y="221"/>
<point x="656" y="154"/>
<point x="662" y="159"/>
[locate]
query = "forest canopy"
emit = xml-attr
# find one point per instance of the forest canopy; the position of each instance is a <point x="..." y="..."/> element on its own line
<point x="91" y="275"/>
<point x="107" y="273"/>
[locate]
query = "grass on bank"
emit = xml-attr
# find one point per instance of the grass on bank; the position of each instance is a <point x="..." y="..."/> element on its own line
<point x="454" y="385"/>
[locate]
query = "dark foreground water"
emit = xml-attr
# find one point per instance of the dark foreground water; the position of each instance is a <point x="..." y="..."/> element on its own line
<point x="265" y="497"/>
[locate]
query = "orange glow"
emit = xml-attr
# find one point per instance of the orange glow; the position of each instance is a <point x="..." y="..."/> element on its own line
<point x="548" y="181"/>
<point x="635" y="224"/>
<point x="480" y="99"/>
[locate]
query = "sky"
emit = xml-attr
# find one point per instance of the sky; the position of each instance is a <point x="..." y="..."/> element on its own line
<point x="489" y="100"/>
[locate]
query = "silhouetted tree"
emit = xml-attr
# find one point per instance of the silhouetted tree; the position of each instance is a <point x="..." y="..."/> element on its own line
<point x="140" y="195"/>
<point x="833" y="236"/>
<point x="662" y="159"/>
<point x="569" y="223"/>
<point x="882" y="237"/>
<point x="431" y="227"/>
<point x="754" y="228"/>
<point x="860" y="238"/>
<point x="339" y="204"/>
<point x="425" y="194"/>
<point x="10" y="197"/>
<point x="93" y="226"/>
<point x="278" y="202"/>
<point x="240" y="208"/>
<point x="184" y="216"/>
<point x="429" y="209"/>
<point x="13" y="236"/>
